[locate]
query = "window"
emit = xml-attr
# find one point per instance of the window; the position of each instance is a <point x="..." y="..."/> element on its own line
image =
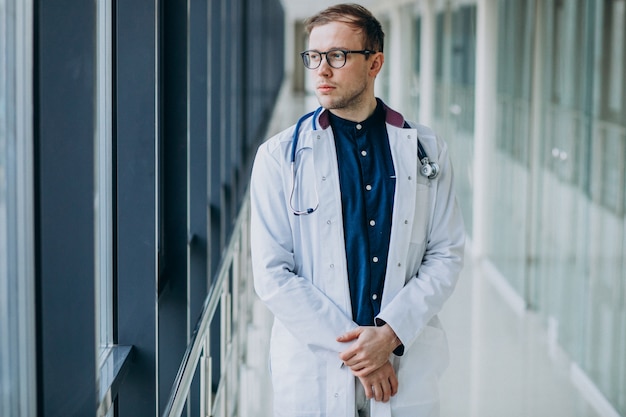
<point x="17" y="294"/>
<point x="103" y="159"/>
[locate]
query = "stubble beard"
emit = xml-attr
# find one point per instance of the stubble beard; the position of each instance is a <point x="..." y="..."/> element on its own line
<point x="353" y="100"/>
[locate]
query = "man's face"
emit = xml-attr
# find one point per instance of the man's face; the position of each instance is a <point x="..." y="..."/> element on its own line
<point x="344" y="90"/>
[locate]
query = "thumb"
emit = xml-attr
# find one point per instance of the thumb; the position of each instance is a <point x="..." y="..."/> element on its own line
<point x="350" y="335"/>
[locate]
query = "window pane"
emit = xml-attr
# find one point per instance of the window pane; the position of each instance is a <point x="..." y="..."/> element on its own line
<point x="17" y="341"/>
<point x="103" y="186"/>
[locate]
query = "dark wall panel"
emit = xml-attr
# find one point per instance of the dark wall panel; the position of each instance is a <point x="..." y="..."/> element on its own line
<point x="64" y="141"/>
<point x="137" y="250"/>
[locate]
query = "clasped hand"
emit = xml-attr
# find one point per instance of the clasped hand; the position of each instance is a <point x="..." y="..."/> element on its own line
<point x="368" y="358"/>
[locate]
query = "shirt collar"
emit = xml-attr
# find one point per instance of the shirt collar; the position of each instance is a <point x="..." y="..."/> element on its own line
<point x="349" y="127"/>
<point x="392" y="117"/>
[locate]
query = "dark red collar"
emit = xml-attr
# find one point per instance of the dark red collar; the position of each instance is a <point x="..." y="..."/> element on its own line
<point x="391" y="116"/>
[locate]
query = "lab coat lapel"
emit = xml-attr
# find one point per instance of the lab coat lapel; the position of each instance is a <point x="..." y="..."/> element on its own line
<point x="329" y="214"/>
<point x="403" y="144"/>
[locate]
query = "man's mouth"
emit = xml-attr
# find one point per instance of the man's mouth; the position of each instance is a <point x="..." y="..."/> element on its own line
<point x="325" y="88"/>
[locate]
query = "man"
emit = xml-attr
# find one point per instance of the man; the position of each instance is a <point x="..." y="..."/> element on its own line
<point x="353" y="249"/>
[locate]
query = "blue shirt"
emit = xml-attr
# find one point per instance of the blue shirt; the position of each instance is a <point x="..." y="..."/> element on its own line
<point x="367" y="182"/>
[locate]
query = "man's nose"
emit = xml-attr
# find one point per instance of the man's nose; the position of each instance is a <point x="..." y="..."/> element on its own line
<point x="324" y="69"/>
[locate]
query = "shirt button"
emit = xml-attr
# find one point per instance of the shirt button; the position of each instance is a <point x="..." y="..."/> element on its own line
<point x="409" y="178"/>
<point x="375" y="259"/>
<point x="368" y="187"/>
<point x="336" y="395"/>
<point x="318" y="137"/>
<point x="328" y="222"/>
<point x="332" y="266"/>
<point x="323" y="178"/>
<point x="406" y="222"/>
<point x="364" y="153"/>
<point x="374" y="297"/>
<point x="358" y="127"/>
<point x="372" y="223"/>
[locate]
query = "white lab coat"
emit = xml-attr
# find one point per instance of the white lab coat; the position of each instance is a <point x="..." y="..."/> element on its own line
<point x="300" y="272"/>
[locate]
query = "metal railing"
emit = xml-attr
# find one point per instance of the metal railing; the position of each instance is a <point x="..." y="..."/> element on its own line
<point x="232" y="293"/>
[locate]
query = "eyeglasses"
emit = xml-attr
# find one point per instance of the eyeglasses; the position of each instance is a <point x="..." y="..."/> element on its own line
<point x="336" y="58"/>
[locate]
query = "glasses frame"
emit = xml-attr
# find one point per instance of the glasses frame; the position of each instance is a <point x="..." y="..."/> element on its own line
<point x="366" y="52"/>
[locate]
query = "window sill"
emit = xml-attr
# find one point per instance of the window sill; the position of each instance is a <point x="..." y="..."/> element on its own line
<point x="112" y="372"/>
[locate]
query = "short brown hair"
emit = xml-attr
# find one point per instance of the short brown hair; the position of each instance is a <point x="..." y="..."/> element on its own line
<point x="354" y="15"/>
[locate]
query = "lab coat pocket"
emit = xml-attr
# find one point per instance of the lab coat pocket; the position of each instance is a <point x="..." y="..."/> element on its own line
<point x="420" y="368"/>
<point x="298" y="376"/>
<point x="433" y="343"/>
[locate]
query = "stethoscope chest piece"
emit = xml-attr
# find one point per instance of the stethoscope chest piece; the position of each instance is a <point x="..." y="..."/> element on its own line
<point x="429" y="169"/>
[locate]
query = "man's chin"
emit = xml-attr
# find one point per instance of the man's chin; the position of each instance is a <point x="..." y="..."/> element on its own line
<point x="326" y="102"/>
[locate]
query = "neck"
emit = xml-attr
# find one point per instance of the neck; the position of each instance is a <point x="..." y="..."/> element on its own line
<point x="357" y="113"/>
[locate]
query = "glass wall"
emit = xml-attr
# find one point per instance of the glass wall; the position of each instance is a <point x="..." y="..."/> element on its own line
<point x="17" y="374"/>
<point x="125" y="155"/>
<point x="559" y="230"/>
<point x="103" y="188"/>
<point x="455" y="57"/>
<point x="557" y="201"/>
<point x="509" y="183"/>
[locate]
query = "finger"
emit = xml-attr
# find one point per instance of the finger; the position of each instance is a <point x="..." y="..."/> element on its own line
<point x="393" y="381"/>
<point x="347" y="355"/>
<point x="386" y="388"/>
<point x="378" y="392"/>
<point x="360" y="370"/>
<point x="350" y="335"/>
<point x="368" y="391"/>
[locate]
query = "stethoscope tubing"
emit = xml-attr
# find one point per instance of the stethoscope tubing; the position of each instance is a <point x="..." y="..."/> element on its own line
<point x="429" y="169"/>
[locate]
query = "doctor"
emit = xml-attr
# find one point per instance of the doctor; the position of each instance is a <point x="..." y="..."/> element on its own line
<point x="357" y="240"/>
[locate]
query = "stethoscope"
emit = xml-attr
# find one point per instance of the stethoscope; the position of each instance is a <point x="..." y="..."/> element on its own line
<point x="429" y="169"/>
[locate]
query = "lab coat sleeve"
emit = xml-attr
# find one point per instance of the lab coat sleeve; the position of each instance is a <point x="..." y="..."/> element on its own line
<point x="424" y="294"/>
<point x="299" y="305"/>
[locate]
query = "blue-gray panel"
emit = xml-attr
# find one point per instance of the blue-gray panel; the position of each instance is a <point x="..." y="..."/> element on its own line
<point x="64" y="184"/>
<point x="136" y="93"/>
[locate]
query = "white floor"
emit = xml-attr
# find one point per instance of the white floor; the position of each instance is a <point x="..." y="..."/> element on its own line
<point x="502" y="363"/>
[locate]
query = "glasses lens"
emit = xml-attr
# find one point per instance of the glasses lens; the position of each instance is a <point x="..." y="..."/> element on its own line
<point x="336" y="58"/>
<point x="311" y="59"/>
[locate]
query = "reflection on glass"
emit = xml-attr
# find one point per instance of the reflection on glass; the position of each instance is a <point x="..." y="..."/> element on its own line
<point x="17" y="340"/>
<point x="103" y="182"/>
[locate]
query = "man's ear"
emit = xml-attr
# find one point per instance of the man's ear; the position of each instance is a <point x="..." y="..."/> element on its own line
<point x="376" y="63"/>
